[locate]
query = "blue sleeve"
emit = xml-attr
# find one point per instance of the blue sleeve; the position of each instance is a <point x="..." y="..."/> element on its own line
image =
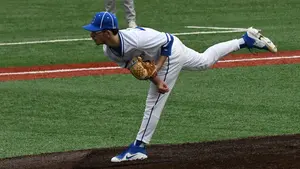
<point x="166" y="49"/>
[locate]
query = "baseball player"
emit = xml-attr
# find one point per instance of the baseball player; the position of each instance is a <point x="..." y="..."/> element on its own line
<point x="130" y="15"/>
<point x="142" y="49"/>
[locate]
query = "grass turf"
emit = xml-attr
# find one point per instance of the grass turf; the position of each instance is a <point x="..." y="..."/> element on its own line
<point x="46" y="20"/>
<point x="51" y="115"/>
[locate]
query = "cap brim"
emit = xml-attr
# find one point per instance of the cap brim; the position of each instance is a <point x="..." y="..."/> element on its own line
<point x="91" y="28"/>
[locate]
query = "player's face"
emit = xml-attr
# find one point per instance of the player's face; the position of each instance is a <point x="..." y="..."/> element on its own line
<point x="100" y="37"/>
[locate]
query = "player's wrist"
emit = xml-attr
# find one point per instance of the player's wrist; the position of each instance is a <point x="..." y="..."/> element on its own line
<point x="155" y="80"/>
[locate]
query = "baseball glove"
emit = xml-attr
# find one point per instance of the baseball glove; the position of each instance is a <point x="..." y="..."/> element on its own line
<point x="142" y="70"/>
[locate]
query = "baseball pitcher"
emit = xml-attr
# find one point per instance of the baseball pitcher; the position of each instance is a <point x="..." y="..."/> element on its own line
<point x="159" y="57"/>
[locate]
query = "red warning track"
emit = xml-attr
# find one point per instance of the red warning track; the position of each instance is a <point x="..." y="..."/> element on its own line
<point x="105" y="68"/>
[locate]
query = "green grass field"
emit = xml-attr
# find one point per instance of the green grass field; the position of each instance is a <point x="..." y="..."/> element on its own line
<point x="50" y="115"/>
<point x="47" y="20"/>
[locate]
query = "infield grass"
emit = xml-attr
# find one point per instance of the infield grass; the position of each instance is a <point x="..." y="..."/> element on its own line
<point x="50" y="115"/>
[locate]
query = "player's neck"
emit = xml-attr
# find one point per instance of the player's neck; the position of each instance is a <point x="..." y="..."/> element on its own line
<point x="114" y="41"/>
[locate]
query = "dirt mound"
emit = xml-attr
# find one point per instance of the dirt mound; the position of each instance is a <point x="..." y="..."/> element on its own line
<point x="272" y="152"/>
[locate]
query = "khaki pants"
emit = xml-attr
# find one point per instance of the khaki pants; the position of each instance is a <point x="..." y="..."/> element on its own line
<point x="110" y="6"/>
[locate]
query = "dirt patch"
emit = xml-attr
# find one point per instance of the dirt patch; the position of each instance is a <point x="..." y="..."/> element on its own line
<point x="107" y="68"/>
<point x="273" y="152"/>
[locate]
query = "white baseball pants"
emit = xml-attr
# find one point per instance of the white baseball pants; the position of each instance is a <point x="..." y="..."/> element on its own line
<point x="182" y="57"/>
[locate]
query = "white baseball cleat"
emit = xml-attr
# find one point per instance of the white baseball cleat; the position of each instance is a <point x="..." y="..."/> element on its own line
<point x="254" y="39"/>
<point x="131" y="153"/>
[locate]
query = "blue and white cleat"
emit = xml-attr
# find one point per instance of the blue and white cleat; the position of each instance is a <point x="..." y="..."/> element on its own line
<point x="131" y="153"/>
<point x="254" y="39"/>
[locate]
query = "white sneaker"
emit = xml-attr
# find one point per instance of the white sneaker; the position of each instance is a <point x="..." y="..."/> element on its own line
<point x="132" y="24"/>
<point x="254" y="39"/>
<point x="131" y="153"/>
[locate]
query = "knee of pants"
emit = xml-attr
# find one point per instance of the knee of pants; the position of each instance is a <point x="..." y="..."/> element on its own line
<point x="208" y="61"/>
<point x="201" y="65"/>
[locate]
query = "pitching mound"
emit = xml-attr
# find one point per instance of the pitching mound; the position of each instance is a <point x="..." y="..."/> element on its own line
<point x="253" y="153"/>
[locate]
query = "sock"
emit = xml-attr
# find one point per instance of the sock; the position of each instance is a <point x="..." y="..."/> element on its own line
<point x="139" y="143"/>
<point x="242" y="43"/>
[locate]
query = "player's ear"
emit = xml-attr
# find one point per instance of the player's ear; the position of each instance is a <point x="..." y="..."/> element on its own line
<point x="108" y="33"/>
<point x="111" y="33"/>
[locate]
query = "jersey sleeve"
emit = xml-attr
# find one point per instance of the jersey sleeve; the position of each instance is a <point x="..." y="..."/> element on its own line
<point x="153" y="39"/>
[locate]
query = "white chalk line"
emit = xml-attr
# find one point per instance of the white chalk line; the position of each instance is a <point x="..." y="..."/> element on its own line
<point x="257" y="59"/>
<point x="219" y="28"/>
<point x="113" y="68"/>
<point x="225" y="30"/>
<point x="208" y="32"/>
<point x="215" y="28"/>
<point x="59" y="71"/>
<point x="45" y="41"/>
<point x="87" y="39"/>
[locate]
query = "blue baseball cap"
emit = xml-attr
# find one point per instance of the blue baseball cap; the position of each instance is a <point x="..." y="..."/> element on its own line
<point x="102" y="21"/>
